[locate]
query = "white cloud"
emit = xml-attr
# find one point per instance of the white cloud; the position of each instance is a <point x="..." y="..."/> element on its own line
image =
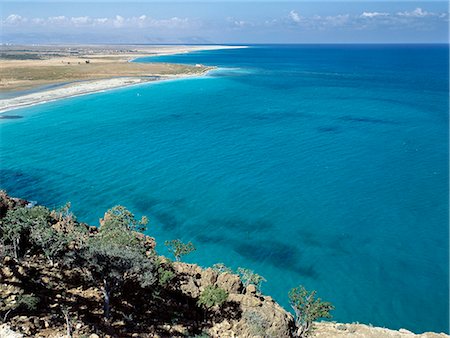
<point x="56" y="20"/>
<point x="418" y="12"/>
<point x="238" y="23"/>
<point x="15" y="19"/>
<point x="81" y="20"/>
<point x="100" y="21"/>
<point x="118" y="21"/>
<point x="294" y="16"/>
<point x="337" y="20"/>
<point x="373" y="14"/>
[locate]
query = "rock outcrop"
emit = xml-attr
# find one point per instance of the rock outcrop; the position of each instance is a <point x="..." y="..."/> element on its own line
<point x="46" y="299"/>
<point x="254" y="314"/>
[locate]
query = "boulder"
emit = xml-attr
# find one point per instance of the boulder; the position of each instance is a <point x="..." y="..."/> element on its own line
<point x="229" y="282"/>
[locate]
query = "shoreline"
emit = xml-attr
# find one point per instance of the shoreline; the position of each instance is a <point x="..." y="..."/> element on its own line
<point x="81" y="88"/>
<point x="85" y="87"/>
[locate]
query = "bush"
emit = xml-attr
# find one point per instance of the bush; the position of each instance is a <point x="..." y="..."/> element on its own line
<point x="164" y="276"/>
<point x="256" y="322"/>
<point x="178" y="248"/>
<point x="118" y="253"/>
<point x="212" y="296"/>
<point x="27" y="301"/>
<point x="307" y="309"/>
<point x="249" y="277"/>
<point x="222" y="268"/>
<point x="16" y="226"/>
<point x="53" y="243"/>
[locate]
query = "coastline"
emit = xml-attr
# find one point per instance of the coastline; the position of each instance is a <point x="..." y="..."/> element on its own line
<point x="85" y="87"/>
<point x="80" y="88"/>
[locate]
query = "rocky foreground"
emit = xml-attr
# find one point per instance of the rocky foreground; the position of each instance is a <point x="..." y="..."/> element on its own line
<point x="69" y="304"/>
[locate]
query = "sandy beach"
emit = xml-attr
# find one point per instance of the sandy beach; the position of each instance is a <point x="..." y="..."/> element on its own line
<point x="84" y="69"/>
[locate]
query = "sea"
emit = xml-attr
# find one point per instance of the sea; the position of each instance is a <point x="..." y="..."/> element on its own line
<point x="317" y="165"/>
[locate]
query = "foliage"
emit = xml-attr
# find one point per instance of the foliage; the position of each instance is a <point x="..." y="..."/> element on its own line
<point x="17" y="224"/>
<point x="53" y="243"/>
<point x="212" y="296"/>
<point x="64" y="214"/>
<point x="178" y="248"/>
<point x="256" y="322"/>
<point x="120" y="217"/>
<point x="164" y="276"/>
<point x="249" y="277"/>
<point x="117" y="252"/>
<point x="27" y="301"/>
<point x="222" y="268"/>
<point x="307" y="309"/>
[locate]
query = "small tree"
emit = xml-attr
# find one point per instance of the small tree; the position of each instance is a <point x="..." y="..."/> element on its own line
<point x="222" y="268"/>
<point x="212" y="296"/>
<point x="17" y="223"/>
<point x="307" y="309"/>
<point x="249" y="277"/>
<point x="53" y="243"/>
<point x="117" y="252"/>
<point x="178" y="248"/>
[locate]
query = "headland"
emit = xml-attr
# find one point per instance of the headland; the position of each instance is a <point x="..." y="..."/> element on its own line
<point x="78" y="70"/>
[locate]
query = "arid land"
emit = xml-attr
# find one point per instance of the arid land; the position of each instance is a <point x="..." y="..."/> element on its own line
<point x="83" y="69"/>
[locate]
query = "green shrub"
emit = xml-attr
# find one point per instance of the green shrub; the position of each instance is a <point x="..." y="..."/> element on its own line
<point x="222" y="268"/>
<point x="164" y="276"/>
<point x="212" y="296"/>
<point x="16" y="226"/>
<point x="27" y="301"/>
<point x="117" y="252"/>
<point x="53" y="243"/>
<point x="249" y="277"/>
<point x="307" y="309"/>
<point x="178" y="248"/>
<point x="257" y="323"/>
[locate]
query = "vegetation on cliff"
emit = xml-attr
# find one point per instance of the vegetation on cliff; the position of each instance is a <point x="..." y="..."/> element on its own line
<point x="60" y="273"/>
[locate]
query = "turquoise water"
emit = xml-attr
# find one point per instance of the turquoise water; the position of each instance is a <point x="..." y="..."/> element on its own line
<point x="322" y="165"/>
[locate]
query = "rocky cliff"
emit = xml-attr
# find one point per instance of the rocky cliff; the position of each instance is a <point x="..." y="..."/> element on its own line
<point x="41" y="298"/>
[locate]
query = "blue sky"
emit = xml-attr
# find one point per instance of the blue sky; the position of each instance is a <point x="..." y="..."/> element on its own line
<point x="230" y="22"/>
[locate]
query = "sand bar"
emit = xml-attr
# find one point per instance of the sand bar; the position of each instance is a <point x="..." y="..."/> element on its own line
<point x="88" y="69"/>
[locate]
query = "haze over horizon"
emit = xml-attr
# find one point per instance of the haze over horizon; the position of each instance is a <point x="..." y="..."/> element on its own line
<point x="243" y="22"/>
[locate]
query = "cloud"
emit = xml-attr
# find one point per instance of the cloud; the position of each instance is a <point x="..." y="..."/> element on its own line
<point x="81" y="20"/>
<point x="418" y="12"/>
<point x="100" y="21"/>
<point x="15" y="19"/>
<point x="55" y="20"/>
<point x="238" y="23"/>
<point x="417" y="18"/>
<point x="118" y="21"/>
<point x="294" y="16"/>
<point x="373" y="14"/>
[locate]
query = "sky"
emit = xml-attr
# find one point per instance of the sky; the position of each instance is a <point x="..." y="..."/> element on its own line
<point x="230" y="22"/>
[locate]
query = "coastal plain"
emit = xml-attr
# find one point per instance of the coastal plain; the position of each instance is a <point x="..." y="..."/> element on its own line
<point x="35" y="74"/>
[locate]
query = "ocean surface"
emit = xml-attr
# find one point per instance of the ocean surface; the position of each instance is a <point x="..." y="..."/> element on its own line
<point x="321" y="165"/>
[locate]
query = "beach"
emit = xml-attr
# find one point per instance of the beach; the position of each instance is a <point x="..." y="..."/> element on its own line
<point x="80" y="70"/>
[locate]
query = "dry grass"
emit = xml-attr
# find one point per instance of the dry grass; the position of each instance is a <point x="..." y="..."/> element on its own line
<point x="17" y="77"/>
<point x="27" y="69"/>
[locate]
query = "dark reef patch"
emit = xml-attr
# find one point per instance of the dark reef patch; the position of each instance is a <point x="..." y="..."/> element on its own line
<point x="338" y="244"/>
<point x="372" y="120"/>
<point x="329" y="129"/>
<point x="10" y="117"/>
<point x="277" y="254"/>
<point x="11" y="179"/>
<point x="210" y="239"/>
<point x="242" y="225"/>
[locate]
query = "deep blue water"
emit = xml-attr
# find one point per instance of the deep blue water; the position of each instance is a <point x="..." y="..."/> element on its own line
<point x="321" y="165"/>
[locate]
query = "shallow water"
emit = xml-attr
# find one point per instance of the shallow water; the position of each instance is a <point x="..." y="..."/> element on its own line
<point x="320" y="165"/>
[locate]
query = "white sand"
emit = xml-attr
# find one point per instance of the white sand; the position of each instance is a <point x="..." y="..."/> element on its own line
<point x="87" y="87"/>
